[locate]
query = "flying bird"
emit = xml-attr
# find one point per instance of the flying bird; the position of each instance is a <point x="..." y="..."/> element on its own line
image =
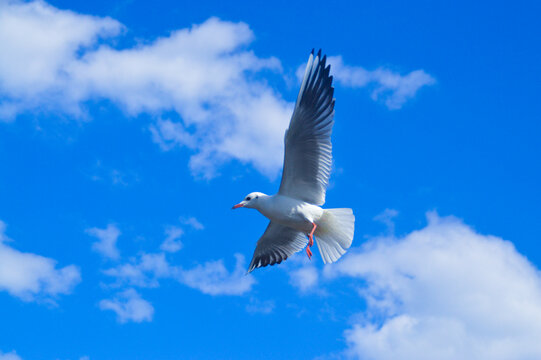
<point x="295" y="212"/>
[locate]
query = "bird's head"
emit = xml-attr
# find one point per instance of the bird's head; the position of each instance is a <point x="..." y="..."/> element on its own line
<point x="250" y="201"/>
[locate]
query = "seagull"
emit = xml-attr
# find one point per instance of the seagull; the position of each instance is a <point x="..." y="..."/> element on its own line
<point x="295" y="212"/>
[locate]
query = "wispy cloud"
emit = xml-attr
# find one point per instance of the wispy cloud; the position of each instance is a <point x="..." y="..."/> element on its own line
<point x="143" y="271"/>
<point x="260" y="307"/>
<point x="387" y="86"/>
<point x="444" y="292"/>
<point x="129" y="306"/>
<point x="193" y="222"/>
<point x="305" y="278"/>
<point x="172" y="242"/>
<point x="9" y="356"/>
<point x="106" y="244"/>
<point x="213" y="278"/>
<point x="173" y="234"/>
<point x="33" y="277"/>
<point x="149" y="270"/>
<point x="386" y="217"/>
<point x="101" y="173"/>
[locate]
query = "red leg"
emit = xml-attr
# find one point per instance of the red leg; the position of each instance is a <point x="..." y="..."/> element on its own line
<point x="310" y="241"/>
<point x="311" y="235"/>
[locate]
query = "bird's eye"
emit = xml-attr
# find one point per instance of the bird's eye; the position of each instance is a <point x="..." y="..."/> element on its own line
<point x="248" y="198"/>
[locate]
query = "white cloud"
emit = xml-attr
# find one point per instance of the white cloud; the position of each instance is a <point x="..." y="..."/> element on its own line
<point x="33" y="277"/>
<point x="144" y="271"/>
<point x="106" y="244"/>
<point x="129" y="306"/>
<point x="52" y="60"/>
<point x="9" y="356"/>
<point x="444" y="292"/>
<point x="223" y="108"/>
<point x="174" y="233"/>
<point x="131" y="274"/>
<point x="260" y="307"/>
<point x="172" y="243"/>
<point x="3" y="236"/>
<point x="102" y="173"/>
<point x="169" y="134"/>
<point x="386" y="217"/>
<point x="388" y="86"/>
<point x="193" y="222"/>
<point x="303" y="273"/>
<point x="250" y="129"/>
<point x="213" y="278"/>
<point x="304" y="278"/>
<point x="39" y="43"/>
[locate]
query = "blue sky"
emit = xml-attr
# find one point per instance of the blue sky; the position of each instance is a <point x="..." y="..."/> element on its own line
<point x="129" y="129"/>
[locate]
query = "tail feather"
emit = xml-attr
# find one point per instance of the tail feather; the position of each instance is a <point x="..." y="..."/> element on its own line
<point x="334" y="233"/>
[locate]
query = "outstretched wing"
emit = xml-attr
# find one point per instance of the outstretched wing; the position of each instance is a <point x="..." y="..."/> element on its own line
<point x="277" y="243"/>
<point x="308" y="149"/>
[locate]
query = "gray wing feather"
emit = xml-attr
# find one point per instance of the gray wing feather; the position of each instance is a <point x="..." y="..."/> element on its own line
<point x="277" y="243"/>
<point x="308" y="149"/>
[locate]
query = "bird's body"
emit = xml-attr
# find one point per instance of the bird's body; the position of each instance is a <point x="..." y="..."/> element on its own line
<point x="295" y="211"/>
<point x="290" y="212"/>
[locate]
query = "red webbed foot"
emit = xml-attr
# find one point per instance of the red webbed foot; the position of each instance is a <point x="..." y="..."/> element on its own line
<point x="309" y="252"/>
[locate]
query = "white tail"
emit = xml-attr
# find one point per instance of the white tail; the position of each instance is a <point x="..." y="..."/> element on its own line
<point x="334" y="233"/>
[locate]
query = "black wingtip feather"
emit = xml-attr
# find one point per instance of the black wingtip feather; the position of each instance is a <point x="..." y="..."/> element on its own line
<point x="319" y="74"/>
<point x="327" y="71"/>
<point x="263" y="261"/>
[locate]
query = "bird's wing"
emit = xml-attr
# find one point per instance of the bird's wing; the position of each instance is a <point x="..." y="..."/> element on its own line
<point x="308" y="149"/>
<point x="277" y="243"/>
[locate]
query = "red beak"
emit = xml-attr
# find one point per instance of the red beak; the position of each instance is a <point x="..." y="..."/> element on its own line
<point x="237" y="206"/>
